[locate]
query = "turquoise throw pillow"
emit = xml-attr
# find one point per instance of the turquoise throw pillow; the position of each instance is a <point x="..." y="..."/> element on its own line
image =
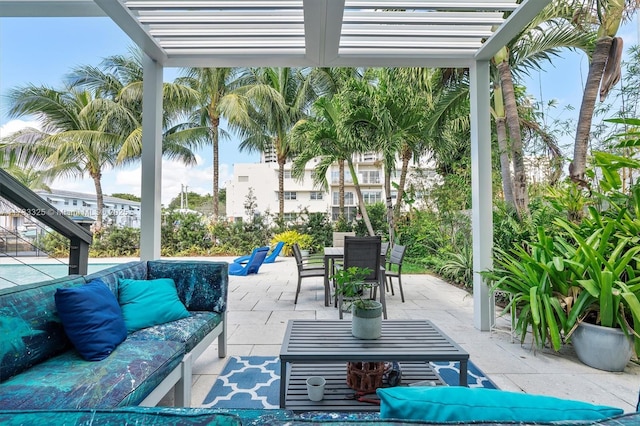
<point x="460" y="404"/>
<point x="91" y="318"/>
<point x="146" y="303"/>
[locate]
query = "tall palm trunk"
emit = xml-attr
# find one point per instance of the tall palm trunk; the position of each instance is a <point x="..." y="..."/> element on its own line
<point x="406" y="155"/>
<point x="513" y="124"/>
<point x="389" y="204"/>
<point x="596" y="68"/>
<point x="363" y="208"/>
<point x="503" y="146"/>
<point x="341" y="190"/>
<point x="97" y="177"/>
<point x="281" y="162"/>
<point x="215" y="137"/>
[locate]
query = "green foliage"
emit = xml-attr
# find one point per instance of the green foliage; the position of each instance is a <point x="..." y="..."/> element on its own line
<point x="350" y="284"/>
<point x="115" y="241"/>
<point x="291" y="237"/>
<point x="194" y="201"/>
<point x="318" y="226"/>
<point x="181" y="232"/>
<point x="377" y="216"/>
<point x="54" y="244"/>
<point x="459" y="266"/>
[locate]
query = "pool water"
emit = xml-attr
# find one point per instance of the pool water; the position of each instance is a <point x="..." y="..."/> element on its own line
<point x="11" y="275"/>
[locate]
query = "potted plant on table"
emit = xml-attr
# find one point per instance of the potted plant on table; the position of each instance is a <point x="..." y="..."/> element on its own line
<point x="366" y="322"/>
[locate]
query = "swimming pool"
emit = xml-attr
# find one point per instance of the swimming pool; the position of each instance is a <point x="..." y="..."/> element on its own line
<point x="11" y="275"/>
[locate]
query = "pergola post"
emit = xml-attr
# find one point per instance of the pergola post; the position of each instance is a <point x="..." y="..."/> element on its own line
<point x="151" y="160"/>
<point x="481" y="193"/>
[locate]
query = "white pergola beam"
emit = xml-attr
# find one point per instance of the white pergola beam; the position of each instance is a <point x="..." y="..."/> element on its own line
<point x="511" y="28"/>
<point x="50" y="8"/>
<point x="128" y="23"/>
<point x="464" y="5"/>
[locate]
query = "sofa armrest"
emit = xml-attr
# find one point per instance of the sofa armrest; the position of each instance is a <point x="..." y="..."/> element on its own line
<point x="201" y="285"/>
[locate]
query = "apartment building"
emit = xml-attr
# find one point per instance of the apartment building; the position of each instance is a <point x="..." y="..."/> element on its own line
<point x="262" y="179"/>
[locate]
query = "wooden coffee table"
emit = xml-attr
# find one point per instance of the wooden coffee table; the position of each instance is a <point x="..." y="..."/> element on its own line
<point x="324" y="348"/>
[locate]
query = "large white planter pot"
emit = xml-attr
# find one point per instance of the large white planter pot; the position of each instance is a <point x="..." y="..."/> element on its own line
<point x="367" y="323"/>
<point x="603" y="348"/>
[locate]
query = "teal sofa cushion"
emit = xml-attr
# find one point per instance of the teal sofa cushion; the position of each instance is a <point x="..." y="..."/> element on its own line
<point x="146" y="303"/>
<point x="91" y="318"/>
<point x="461" y="404"/>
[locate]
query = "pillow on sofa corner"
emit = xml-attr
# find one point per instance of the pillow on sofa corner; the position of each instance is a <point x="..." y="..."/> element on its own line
<point x="461" y="404"/>
<point x="91" y="318"/>
<point x="146" y="303"/>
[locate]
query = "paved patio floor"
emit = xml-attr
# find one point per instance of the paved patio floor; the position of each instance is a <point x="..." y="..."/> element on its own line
<point x="259" y="307"/>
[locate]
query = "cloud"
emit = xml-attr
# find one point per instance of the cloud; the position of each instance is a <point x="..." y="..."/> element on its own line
<point x="15" y="125"/>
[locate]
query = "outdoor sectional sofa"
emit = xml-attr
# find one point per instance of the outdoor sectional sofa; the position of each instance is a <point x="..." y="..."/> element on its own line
<point x="40" y="368"/>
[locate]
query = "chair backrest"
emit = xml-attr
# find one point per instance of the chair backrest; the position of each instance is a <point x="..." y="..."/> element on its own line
<point x="256" y="260"/>
<point x="397" y="254"/>
<point x="363" y="252"/>
<point x="338" y="238"/>
<point x="297" y="254"/>
<point x="384" y="248"/>
<point x="274" y="253"/>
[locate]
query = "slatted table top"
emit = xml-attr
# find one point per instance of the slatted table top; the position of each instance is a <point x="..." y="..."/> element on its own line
<point x="402" y="340"/>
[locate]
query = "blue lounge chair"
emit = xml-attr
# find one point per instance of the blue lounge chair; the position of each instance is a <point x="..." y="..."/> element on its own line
<point x="269" y="259"/>
<point x="253" y="264"/>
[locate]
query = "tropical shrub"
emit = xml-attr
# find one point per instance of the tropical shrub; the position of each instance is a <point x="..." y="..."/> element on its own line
<point x="291" y="237"/>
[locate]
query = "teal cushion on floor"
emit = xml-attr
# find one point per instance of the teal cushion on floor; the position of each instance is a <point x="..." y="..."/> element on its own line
<point x="91" y="318"/>
<point x="446" y="404"/>
<point x="146" y="303"/>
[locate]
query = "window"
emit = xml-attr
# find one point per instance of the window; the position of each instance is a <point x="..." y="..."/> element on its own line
<point x="348" y="199"/>
<point x="66" y="202"/>
<point x="289" y="217"/>
<point x="75" y="202"/>
<point x="371" y="197"/>
<point x="290" y="195"/>
<point x="243" y="178"/>
<point x="287" y="174"/>
<point x="370" y="176"/>
<point x="316" y="195"/>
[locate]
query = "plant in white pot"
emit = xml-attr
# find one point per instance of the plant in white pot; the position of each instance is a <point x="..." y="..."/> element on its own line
<point x="603" y="318"/>
<point x="366" y="321"/>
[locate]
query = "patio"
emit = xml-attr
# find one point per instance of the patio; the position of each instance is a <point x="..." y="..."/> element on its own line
<point x="259" y="307"/>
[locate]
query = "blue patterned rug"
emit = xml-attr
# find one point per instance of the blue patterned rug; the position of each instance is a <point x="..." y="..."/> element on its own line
<point x="254" y="382"/>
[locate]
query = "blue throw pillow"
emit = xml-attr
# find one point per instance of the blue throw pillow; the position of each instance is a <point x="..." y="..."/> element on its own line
<point x="92" y="319"/>
<point x="461" y="404"/>
<point x="146" y="303"/>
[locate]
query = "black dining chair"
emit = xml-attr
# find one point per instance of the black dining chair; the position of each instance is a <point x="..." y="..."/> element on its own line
<point x="394" y="267"/>
<point x="364" y="252"/>
<point x="305" y="270"/>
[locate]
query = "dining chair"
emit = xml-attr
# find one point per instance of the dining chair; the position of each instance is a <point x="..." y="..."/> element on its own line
<point x="394" y="267"/>
<point x="338" y="238"/>
<point x="305" y="270"/>
<point x="364" y="252"/>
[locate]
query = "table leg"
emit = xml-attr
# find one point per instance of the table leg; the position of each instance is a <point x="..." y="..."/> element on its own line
<point x="327" y="289"/>
<point x="283" y="383"/>
<point x="464" y="367"/>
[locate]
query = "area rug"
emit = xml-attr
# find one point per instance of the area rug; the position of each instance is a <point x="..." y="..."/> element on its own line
<point x="254" y="382"/>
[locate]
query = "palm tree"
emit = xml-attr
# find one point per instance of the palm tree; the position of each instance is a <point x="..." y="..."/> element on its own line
<point x="81" y="134"/>
<point x="274" y="100"/>
<point x="604" y="67"/>
<point x="30" y="177"/>
<point x="215" y="88"/>
<point x="319" y="137"/>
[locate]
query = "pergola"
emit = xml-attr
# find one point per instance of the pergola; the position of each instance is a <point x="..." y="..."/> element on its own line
<point x="313" y="33"/>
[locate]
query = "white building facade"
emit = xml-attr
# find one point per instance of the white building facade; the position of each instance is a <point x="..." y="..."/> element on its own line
<point x="300" y="195"/>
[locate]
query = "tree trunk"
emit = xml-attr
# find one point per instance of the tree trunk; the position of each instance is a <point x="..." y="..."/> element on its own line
<point x="97" y="177"/>
<point x="216" y="165"/>
<point x="407" y="155"/>
<point x="505" y="163"/>
<point x="281" y="162"/>
<point x="341" y="190"/>
<point x="363" y="208"/>
<point x="596" y="68"/>
<point x="520" y="193"/>
<point x="389" y="204"/>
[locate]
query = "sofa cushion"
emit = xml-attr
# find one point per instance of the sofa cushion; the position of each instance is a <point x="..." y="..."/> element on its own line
<point x="445" y="404"/>
<point x="190" y="330"/>
<point x="111" y="276"/>
<point x="31" y="329"/>
<point x="146" y="303"/>
<point x="67" y="381"/>
<point x="202" y="285"/>
<point x="92" y="319"/>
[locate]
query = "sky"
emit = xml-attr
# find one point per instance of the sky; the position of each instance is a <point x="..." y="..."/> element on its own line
<point x="42" y="51"/>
